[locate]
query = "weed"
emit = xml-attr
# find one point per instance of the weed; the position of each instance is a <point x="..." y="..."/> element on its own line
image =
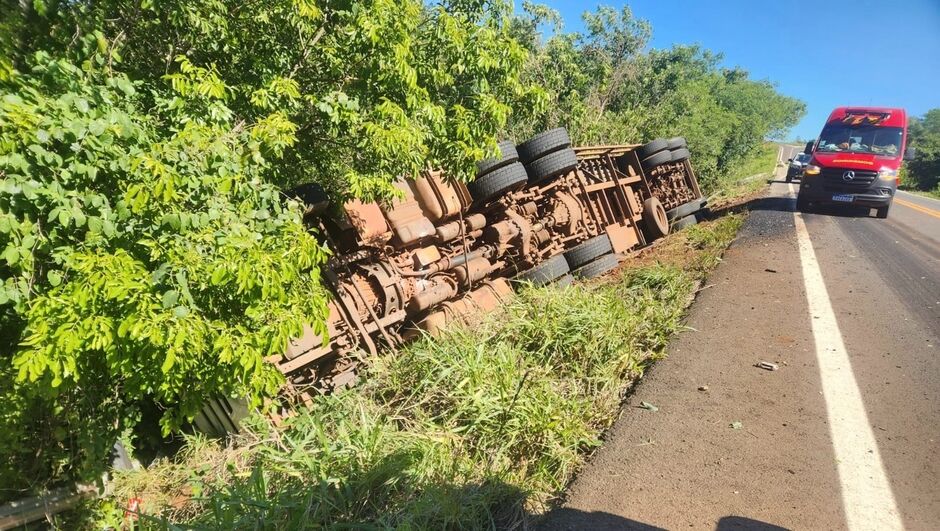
<point x="747" y="177"/>
<point x="473" y="429"/>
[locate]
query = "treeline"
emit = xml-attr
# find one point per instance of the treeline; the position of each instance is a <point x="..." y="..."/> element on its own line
<point x="147" y="255"/>
<point x="606" y="87"/>
<point x="923" y="173"/>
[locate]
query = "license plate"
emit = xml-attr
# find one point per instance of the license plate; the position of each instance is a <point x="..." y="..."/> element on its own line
<point x="843" y="198"/>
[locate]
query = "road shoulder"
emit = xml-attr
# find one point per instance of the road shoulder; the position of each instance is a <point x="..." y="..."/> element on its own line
<point x="753" y="445"/>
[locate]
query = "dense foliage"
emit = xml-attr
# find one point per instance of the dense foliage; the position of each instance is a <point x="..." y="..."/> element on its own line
<point x="455" y="433"/>
<point x="148" y="254"/>
<point x="923" y="173"/>
<point x="144" y="255"/>
<point x="605" y="88"/>
<point x="477" y="429"/>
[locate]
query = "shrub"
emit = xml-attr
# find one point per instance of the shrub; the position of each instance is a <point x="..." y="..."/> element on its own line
<point x="144" y="258"/>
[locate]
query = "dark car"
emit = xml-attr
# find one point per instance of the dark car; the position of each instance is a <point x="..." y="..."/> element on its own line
<point x="795" y="170"/>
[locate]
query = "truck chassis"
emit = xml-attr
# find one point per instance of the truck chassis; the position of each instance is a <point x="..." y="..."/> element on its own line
<point x="544" y="212"/>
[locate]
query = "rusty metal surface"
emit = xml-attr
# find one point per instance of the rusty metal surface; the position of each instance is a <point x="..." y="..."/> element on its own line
<point x="435" y="256"/>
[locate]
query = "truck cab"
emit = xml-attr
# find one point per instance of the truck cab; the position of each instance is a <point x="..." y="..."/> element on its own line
<point x="856" y="159"/>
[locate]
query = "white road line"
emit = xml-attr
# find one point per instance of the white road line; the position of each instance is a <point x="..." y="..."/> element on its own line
<point x="866" y="492"/>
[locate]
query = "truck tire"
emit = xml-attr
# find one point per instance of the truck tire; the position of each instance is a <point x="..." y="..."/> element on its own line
<point x="684" y="210"/>
<point x="802" y="204"/>
<point x="564" y="281"/>
<point x="597" y="267"/>
<point x="656" y="159"/>
<point x="545" y="272"/>
<point x="655" y="222"/>
<point x="487" y="187"/>
<point x="507" y="156"/>
<point x="682" y="223"/>
<point x="552" y="165"/>
<point x="651" y="148"/>
<point x="676" y="142"/>
<point x="588" y="250"/>
<point x="882" y="212"/>
<point x="542" y="144"/>
<point x="678" y="155"/>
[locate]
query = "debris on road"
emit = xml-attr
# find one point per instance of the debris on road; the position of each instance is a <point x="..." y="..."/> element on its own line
<point x="703" y="388"/>
<point x="767" y="365"/>
<point x="736" y="425"/>
<point x="647" y="405"/>
<point x="769" y="270"/>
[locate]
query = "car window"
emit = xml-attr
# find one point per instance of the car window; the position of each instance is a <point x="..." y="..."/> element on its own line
<point x="861" y="139"/>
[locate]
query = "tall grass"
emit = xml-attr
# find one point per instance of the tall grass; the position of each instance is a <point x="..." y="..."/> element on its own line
<point x="474" y="429"/>
<point x="746" y="177"/>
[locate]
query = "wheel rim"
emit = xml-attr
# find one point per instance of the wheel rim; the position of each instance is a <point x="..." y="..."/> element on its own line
<point x="660" y="214"/>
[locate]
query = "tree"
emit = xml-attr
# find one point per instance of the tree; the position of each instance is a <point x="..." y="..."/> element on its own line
<point x="923" y="173"/>
<point x="605" y="88"/>
<point x="148" y="254"/>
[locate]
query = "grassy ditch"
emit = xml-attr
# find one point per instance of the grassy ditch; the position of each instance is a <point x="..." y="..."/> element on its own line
<point x="746" y="178"/>
<point x="479" y="428"/>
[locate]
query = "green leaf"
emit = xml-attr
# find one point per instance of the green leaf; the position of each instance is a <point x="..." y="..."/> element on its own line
<point x="168" y="362"/>
<point x="54" y="278"/>
<point x="12" y="255"/>
<point x="180" y="312"/>
<point x="170" y="298"/>
<point x="218" y="276"/>
<point x="94" y="225"/>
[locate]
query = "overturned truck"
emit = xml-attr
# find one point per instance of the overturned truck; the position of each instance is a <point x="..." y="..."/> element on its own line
<point x="543" y="212"/>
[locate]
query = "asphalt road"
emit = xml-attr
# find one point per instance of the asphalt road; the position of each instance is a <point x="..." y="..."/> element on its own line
<point x="788" y="151"/>
<point x="844" y="435"/>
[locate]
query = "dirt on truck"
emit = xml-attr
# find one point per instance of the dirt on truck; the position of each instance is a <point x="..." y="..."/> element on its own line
<point x="542" y="212"/>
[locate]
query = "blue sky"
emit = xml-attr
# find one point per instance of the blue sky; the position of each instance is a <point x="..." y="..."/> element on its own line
<point x="827" y="53"/>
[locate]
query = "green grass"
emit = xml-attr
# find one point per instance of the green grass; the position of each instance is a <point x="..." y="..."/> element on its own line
<point x="935" y="193"/>
<point x="476" y="429"/>
<point x="747" y="177"/>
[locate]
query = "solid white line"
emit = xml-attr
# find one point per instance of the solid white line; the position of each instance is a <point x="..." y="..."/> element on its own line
<point x="866" y="492"/>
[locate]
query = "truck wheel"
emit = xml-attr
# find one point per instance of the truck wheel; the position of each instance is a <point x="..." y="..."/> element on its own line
<point x="507" y="156"/>
<point x="656" y="159"/>
<point x="652" y="147"/>
<point x="882" y="212"/>
<point x="682" y="223"/>
<point x="542" y="144"/>
<point x="545" y="272"/>
<point x="802" y="204"/>
<point x="654" y="220"/>
<point x="564" y="281"/>
<point x="552" y="165"/>
<point x="680" y="154"/>
<point x="487" y="187"/>
<point x="691" y="207"/>
<point x="676" y="143"/>
<point x="588" y="250"/>
<point x="597" y="267"/>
